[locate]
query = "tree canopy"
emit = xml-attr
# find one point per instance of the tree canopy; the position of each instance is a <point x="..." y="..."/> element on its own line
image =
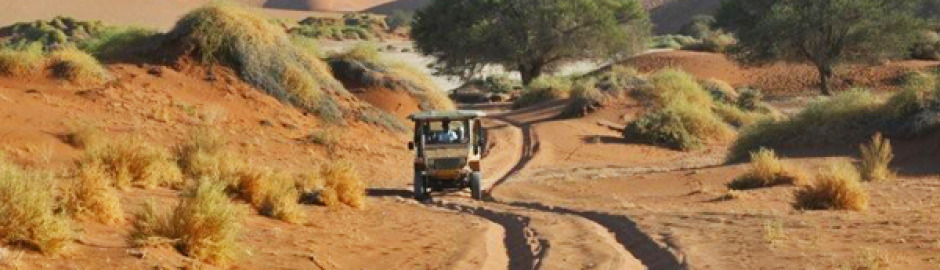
<point x="822" y="32"/>
<point x="529" y="36"/>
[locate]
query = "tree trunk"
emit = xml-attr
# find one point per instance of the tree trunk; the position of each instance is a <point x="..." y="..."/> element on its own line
<point x="825" y="76"/>
<point x="530" y="72"/>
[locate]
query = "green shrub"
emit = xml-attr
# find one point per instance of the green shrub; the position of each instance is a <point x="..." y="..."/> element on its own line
<point x="112" y="40"/>
<point x="543" y="90"/>
<point x="28" y="210"/>
<point x="60" y="31"/>
<point x="585" y="99"/>
<point x="720" y="91"/>
<point x="736" y="116"/>
<point x="845" y="118"/>
<point x="716" y="42"/>
<point x="21" y="61"/>
<point x="928" y="47"/>
<point x="670" y="86"/>
<point x="662" y="128"/>
<point x="260" y="52"/>
<point x="205" y="225"/>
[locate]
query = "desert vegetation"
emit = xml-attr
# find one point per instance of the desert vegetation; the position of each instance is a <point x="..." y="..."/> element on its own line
<point x="876" y="159"/>
<point x="528" y="37"/>
<point x="850" y="116"/>
<point x="28" y="207"/>
<point x="684" y="115"/>
<point x="342" y="185"/>
<point x="363" y="67"/>
<point x="768" y="170"/>
<point x="861" y="30"/>
<point x="133" y="161"/>
<point x="204" y="225"/>
<point x="351" y="26"/>
<point x="837" y="186"/>
<point x="262" y="54"/>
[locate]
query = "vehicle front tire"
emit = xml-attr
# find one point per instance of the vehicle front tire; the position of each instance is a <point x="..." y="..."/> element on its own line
<point x="476" y="188"/>
<point x="420" y="187"/>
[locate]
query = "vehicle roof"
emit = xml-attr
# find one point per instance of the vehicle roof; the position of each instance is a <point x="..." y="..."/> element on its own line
<point x="446" y="115"/>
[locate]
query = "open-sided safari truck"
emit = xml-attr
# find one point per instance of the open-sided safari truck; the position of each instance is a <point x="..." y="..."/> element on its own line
<point x="448" y="147"/>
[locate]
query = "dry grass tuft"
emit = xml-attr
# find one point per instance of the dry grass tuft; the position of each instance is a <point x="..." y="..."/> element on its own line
<point x="342" y="185"/>
<point x="273" y="194"/>
<point x="27" y="208"/>
<point x="21" y="62"/>
<point x="132" y="161"/>
<point x="90" y="195"/>
<point x="837" y="186"/>
<point x="205" y="225"/>
<point x="78" y="67"/>
<point x="204" y="154"/>
<point x="876" y="158"/>
<point x="82" y="135"/>
<point x="261" y="52"/>
<point x="767" y="170"/>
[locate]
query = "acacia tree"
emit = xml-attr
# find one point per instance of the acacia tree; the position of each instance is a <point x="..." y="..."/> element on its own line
<point x="528" y="36"/>
<point x="823" y="32"/>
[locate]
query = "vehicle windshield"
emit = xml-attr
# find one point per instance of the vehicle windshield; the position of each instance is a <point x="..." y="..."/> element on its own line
<point x="446" y="132"/>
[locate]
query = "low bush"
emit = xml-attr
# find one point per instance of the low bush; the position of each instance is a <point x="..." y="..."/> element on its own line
<point x="543" y="90"/>
<point x="876" y="159"/>
<point x="132" y="161"/>
<point x="205" y="225"/>
<point x="927" y="47"/>
<point x="671" y="42"/>
<point x="90" y="195"/>
<point x="662" y="128"/>
<point x="113" y="40"/>
<point x="57" y="31"/>
<point x="767" y="170"/>
<point x="342" y="185"/>
<point x="204" y="155"/>
<point x="78" y="67"/>
<point x="82" y="135"/>
<point x="684" y="116"/>
<point x="720" y="91"/>
<point x="261" y="53"/>
<point x="670" y="86"/>
<point x="838" y="186"/>
<point x="585" y="99"/>
<point x="28" y="210"/>
<point x="273" y="194"/>
<point x="716" y="42"/>
<point x="21" y="61"/>
<point x="736" y="116"/>
<point x="849" y="117"/>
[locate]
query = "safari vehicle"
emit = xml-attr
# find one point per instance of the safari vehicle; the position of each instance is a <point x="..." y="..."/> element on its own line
<point x="448" y="147"/>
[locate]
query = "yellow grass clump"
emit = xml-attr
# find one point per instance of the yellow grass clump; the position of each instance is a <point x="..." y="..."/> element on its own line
<point x="342" y="185"/>
<point x="273" y="194"/>
<point x="77" y="66"/>
<point x="28" y="211"/>
<point x="768" y="170"/>
<point x="204" y="154"/>
<point x="205" y="225"/>
<point x="82" y="135"/>
<point x="90" y="195"/>
<point x="669" y="86"/>
<point x="838" y="186"/>
<point x="876" y="158"/>
<point x="21" y="62"/>
<point x="262" y="53"/>
<point x="132" y="161"/>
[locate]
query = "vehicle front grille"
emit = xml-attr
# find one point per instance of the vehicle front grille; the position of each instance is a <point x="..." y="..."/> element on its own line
<point x="448" y="163"/>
